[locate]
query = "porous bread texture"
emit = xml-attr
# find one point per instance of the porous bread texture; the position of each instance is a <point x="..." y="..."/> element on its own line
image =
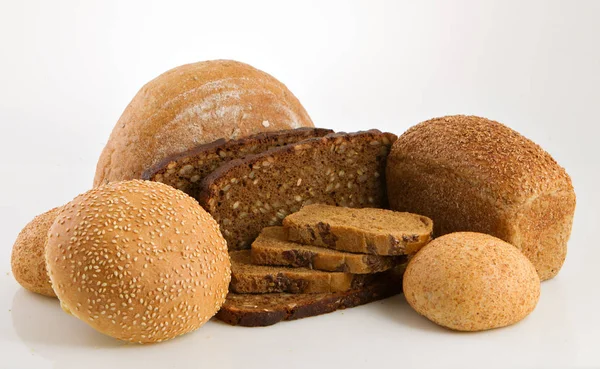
<point x="138" y="260"/>
<point x="471" y="282"/>
<point x="271" y="247"/>
<point x="472" y="174"/>
<point x="258" y="310"/>
<point x="249" y="194"/>
<point x="185" y="171"/>
<point x="191" y="105"/>
<point x="249" y="278"/>
<point x="27" y="260"/>
<point x="367" y="230"/>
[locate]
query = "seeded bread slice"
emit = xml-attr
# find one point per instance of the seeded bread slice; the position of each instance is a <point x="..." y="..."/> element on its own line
<point x="249" y="194"/>
<point x="271" y="247"/>
<point x="186" y="170"/>
<point x="249" y="278"/>
<point x="372" y="231"/>
<point x="259" y="310"/>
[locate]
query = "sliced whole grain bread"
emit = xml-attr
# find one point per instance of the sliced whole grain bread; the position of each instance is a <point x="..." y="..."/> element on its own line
<point x="249" y="278"/>
<point x="258" y="310"/>
<point x="246" y="195"/>
<point x="271" y="247"/>
<point x="186" y="170"/>
<point x="368" y="230"/>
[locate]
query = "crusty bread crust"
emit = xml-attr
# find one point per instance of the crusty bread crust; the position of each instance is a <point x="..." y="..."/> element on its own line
<point x="472" y="174"/>
<point x="191" y="105"/>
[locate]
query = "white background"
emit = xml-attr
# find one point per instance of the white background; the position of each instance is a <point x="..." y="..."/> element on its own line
<point x="69" y="68"/>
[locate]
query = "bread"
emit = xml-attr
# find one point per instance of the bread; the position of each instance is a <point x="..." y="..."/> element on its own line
<point x="195" y="104"/>
<point x="471" y="282"/>
<point x="246" y="195"/>
<point x="27" y="261"/>
<point x="271" y="247"/>
<point x="249" y="278"/>
<point x="258" y="310"/>
<point x="372" y="231"/>
<point x="186" y="170"/>
<point x="472" y="174"/>
<point x="138" y="261"/>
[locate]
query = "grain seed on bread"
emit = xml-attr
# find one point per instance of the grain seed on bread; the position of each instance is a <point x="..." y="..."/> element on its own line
<point x="185" y="171"/>
<point x="138" y="260"/>
<point x="246" y="195"/>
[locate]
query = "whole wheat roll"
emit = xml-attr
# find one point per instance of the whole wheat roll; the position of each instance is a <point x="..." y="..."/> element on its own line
<point x="470" y="281"/>
<point x="27" y="260"/>
<point x="191" y="105"/>
<point x="469" y="173"/>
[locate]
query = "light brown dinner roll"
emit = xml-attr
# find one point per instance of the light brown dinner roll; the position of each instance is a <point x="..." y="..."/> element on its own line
<point x="138" y="260"/>
<point x="27" y="261"/>
<point x="471" y="282"/>
<point x="191" y="105"/>
<point x="472" y="174"/>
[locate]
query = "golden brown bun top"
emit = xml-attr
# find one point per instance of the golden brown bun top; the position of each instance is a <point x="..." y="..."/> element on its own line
<point x="486" y="152"/>
<point x="195" y="104"/>
<point x="138" y="260"/>
<point x="27" y="261"/>
<point x="471" y="281"/>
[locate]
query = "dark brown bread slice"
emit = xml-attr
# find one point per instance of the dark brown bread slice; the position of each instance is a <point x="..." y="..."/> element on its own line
<point x="186" y="170"/>
<point x="246" y="195"/>
<point x="252" y="310"/>
<point x="249" y="278"/>
<point x="373" y="231"/>
<point x="271" y="247"/>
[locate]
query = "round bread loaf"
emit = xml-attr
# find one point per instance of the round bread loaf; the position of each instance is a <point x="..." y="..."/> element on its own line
<point x="472" y="174"/>
<point x="139" y="261"/>
<point x="471" y="282"/>
<point x="195" y="104"/>
<point x="27" y="261"/>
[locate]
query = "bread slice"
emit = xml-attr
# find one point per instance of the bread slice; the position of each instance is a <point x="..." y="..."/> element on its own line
<point x="372" y="231"/>
<point x="249" y="278"/>
<point x="260" y="310"/>
<point x="186" y="170"/>
<point x="246" y="195"/>
<point x="271" y="247"/>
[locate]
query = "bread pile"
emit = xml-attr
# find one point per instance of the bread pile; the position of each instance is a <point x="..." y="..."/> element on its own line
<point x="215" y="194"/>
<point x="308" y="271"/>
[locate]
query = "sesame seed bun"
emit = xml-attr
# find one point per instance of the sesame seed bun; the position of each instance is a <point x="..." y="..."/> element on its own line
<point x="471" y="282"/>
<point x="473" y="174"/>
<point x="138" y="261"/>
<point x="195" y="104"/>
<point x="27" y="260"/>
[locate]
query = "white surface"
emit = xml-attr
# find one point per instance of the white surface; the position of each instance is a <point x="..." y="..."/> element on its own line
<point x="69" y="68"/>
